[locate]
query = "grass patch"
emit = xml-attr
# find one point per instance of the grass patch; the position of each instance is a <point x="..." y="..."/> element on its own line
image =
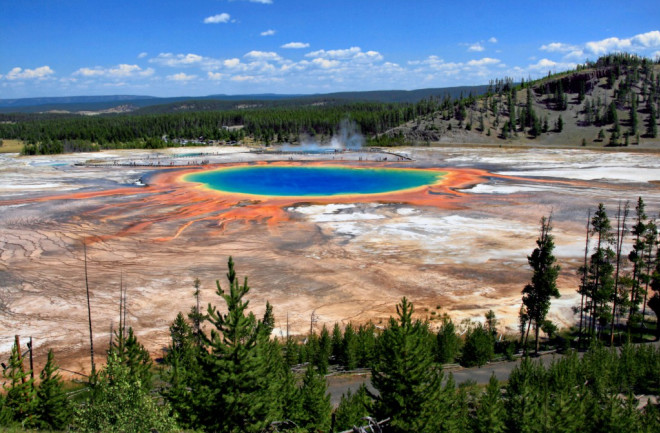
<point x="11" y="146"/>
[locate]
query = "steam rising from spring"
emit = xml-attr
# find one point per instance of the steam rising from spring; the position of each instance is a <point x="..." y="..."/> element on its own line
<point x="347" y="137"/>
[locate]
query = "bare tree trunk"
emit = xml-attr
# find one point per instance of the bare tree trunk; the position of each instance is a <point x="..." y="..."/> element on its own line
<point x="620" y="234"/>
<point x="89" y="312"/>
<point x="584" y="279"/>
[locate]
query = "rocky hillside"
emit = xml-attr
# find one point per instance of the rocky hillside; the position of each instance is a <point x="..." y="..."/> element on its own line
<point x="614" y="101"/>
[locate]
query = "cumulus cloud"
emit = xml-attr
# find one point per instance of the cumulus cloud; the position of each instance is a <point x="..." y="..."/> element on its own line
<point x="215" y="76"/>
<point x="544" y="65"/>
<point x="142" y="55"/>
<point x="232" y="63"/>
<point x="181" y="77"/>
<point x="116" y="72"/>
<point x="493" y="40"/>
<point x="268" y="32"/>
<point x="476" y="47"/>
<point x="326" y="63"/>
<point x="296" y="45"/>
<point x="262" y="55"/>
<point x="185" y="60"/>
<point x="483" y="62"/>
<point x="39" y="73"/>
<point x="638" y="43"/>
<point x="558" y="47"/>
<point x="217" y="19"/>
<point x="335" y="54"/>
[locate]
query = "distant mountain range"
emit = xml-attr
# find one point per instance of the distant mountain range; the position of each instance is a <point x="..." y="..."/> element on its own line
<point x="91" y="104"/>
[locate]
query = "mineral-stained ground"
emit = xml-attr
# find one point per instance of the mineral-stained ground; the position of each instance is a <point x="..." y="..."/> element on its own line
<point x="458" y="249"/>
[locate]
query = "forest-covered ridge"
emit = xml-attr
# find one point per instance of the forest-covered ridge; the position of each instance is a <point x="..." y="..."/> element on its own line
<point x="614" y="101"/>
<point x="152" y="104"/>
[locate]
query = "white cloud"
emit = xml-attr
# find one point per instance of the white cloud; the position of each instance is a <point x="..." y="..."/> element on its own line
<point x="544" y="65"/>
<point x="558" y="47"/>
<point x="243" y="78"/>
<point x="269" y="32"/>
<point x="326" y="63"/>
<point x="179" y="60"/>
<point x="483" y="62"/>
<point x="493" y="40"/>
<point x="215" y="76"/>
<point x="231" y="63"/>
<point x="371" y="56"/>
<point x="476" y="47"/>
<point x="142" y="55"/>
<point x="640" y="43"/>
<point x="181" y="76"/>
<point x="296" y="45"/>
<point x="263" y="2"/>
<point x="39" y="73"/>
<point x="335" y="54"/>
<point x="262" y="55"/>
<point x="217" y="19"/>
<point x="648" y="40"/>
<point x="119" y="71"/>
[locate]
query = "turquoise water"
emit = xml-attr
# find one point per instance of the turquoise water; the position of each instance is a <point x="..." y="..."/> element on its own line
<point x="313" y="181"/>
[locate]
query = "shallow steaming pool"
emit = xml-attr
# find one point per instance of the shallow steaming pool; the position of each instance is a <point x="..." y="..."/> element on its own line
<point x="295" y="181"/>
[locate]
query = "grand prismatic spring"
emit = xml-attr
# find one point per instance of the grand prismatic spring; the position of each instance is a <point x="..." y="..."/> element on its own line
<point x="453" y="238"/>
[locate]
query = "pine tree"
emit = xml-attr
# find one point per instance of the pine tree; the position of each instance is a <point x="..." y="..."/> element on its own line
<point x="131" y="353"/>
<point x="522" y="404"/>
<point x="183" y="373"/>
<point x="651" y="122"/>
<point x="352" y="408"/>
<point x="543" y="287"/>
<point x="490" y="414"/>
<point x="20" y="399"/>
<point x="315" y="402"/>
<point x="448" y="343"/>
<point x="322" y="357"/>
<point x="634" y="120"/>
<point x="237" y="378"/>
<point x="600" y="281"/>
<point x="53" y="410"/>
<point x="479" y="347"/>
<point x="337" y="344"/>
<point x="405" y="376"/>
<point x="350" y="348"/>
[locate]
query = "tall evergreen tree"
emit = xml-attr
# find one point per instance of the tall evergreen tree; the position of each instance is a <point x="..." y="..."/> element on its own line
<point x="183" y="373"/>
<point x="352" y="408"/>
<point x="53" y="409"/>
<point x="636" y="256"/>
<point x="405" y="375"/>
<point x="479" y="346"/>
<point x="20" y="401"/>
<point x="601" y="268"/>
<point x="448" y="343"/>
<point x="543" y="287"/>
<point x="132" y="353"/>
<point x="350" y="348"/>
<point x="315" y="402"/>
<point x="490" y="414"/>
<point x="237" y="378"/>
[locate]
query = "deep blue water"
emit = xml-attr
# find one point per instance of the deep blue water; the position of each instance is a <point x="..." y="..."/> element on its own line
<point x="312" y="181"/>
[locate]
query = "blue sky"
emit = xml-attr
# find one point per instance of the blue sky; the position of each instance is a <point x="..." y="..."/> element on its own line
<point x="202" y="47"/>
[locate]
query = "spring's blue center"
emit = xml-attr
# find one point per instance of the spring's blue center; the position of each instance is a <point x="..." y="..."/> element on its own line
<point x="315" y="181"/>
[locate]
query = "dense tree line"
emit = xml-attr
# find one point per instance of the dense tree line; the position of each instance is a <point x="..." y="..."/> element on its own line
<point x="235" y="378"/>
<point x="50" y="135"/>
